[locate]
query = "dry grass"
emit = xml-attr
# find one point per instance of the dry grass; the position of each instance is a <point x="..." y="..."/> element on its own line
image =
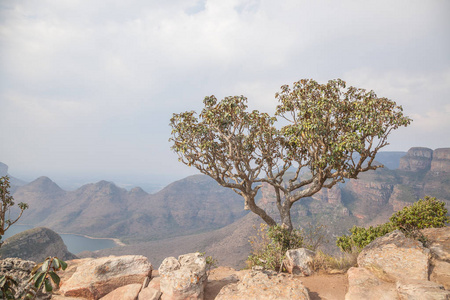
<point x="329" y="264"/>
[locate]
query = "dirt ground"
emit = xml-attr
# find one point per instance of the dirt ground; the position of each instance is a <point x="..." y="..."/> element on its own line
<point x="320" y="286"/>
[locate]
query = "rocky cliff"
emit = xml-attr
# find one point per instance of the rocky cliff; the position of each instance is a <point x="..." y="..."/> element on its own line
<point x="35" y="244"/>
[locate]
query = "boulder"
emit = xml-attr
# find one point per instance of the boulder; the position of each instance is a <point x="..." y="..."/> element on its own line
<point x="265" y="285"/>
<point x="421" y="290"/>
<point x="149" y="294"/>
<point x="95" y="278"/>
<point x="298" y="261"/>
<point x="126" y="292"/>
<point x="20" y="270"/>
<point x="397" y="256"/>
<point x="184" y="278"/>
<point x="438" y="241"/>
<point x="440" y="273"/>
<point x="363" y="284"/>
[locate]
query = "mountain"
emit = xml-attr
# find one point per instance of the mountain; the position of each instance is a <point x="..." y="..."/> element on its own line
<point x="196" y="213"/>
<point x="35" y="244"/>
<point x="191" y="205"/>
<point x="14" y="181"/>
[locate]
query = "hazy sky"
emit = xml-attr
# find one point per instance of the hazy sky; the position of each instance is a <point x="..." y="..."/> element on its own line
<point x="87" y="88"/>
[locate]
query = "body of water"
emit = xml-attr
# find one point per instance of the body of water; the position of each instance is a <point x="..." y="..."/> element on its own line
<point x="75" y="243"/>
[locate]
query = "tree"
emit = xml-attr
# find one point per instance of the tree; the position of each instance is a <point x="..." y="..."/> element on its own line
<point x="333" y="133"/>
<point x="7" y="203"/>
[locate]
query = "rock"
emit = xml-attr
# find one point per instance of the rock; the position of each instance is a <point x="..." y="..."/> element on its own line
<point x="417" y="159"/>
<point x="264" y="285"/>
<point x="36" y="244"/>
<point x="20" y="270"/>
<point x="95" y="278"/>
<point x="184" y="278"/>
<point x="326" y="195"/>
<point x="149" y="294"/>
<point x="126" y="292"/>
<point x="438" y="241"/>
<point x="397" y="256"/>
<point x="421" y="290"/>
<point x="298" y="261"/>
<point x="362" y="284"/>
<point x="441" y="160"/>
<point x="440" y="273"/>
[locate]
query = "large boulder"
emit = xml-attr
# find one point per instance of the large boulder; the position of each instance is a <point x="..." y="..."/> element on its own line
<point x="363" y="284"/>
<point x="126" y="292"/>
<point x="438" y="241"/>
<point x="265" y="285"/>
<point x="95" y="278"/>
<point x="298" y="261"/>
<point x="421" y="290"/>
<point x="397" y="256"/>
<point x="184" y="278"/>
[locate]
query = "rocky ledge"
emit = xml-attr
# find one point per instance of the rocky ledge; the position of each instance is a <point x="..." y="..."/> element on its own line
<point x="391" y="267"/>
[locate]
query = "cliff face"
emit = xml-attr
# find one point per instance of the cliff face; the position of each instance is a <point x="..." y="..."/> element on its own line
<point x="417" y="159"/>
<point x="35" y="244"/>
<point x="441" y="160"/>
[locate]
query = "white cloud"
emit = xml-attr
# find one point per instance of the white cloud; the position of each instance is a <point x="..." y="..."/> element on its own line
<point x="82" y="84"/>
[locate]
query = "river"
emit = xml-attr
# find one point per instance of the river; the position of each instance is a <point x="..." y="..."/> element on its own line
<point x="75" y="243"/>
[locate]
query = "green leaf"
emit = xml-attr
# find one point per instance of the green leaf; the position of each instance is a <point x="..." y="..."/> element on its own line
<point x="55" y="277"/>
<point x="39" y="279"/>
<point x="48" y="285"/>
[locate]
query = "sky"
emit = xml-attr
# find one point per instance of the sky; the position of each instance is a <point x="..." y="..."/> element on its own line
<point x="87" y="88"/>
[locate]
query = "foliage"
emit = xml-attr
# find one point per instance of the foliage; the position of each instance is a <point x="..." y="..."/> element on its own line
<point x="211" y="262"/>
<point x="361" y="237"/>
<point x="333" y="132"/>
<point x="7" y="284"/>
<point x="425" y="213"/>
<point x="43" y="274"/>
<point x="270" y="246"/>
<point x="7" y="203"/>
<point x="314" y="236"/>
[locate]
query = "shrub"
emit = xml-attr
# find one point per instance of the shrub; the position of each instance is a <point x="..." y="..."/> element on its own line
<point x="425" y="213"/>
<point x="270" y="246"/>
<point x="314" y="236"/>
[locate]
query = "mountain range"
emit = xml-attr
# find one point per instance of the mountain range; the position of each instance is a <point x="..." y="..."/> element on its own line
<point x="196" y="214"/>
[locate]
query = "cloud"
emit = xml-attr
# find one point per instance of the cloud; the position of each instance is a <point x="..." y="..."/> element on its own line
<point x="92" y="85"/>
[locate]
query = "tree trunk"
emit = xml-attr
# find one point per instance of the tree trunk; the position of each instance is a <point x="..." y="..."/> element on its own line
<point x="250" y="201"/>
<point x="285" y="214"/>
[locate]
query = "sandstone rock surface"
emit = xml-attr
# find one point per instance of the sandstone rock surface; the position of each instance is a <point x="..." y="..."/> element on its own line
<point x="126" y="292"/>
<point x="258" y="285"/>
<point x="397" y="255"/>
<point x="184" y="278"/>
<point x="417" y="159"/>
<point x="421" y="290"/>
<point x="362" y="284"/>
<point x="95" y="278"/>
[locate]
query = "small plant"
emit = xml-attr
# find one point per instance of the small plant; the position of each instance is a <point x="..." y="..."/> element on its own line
<point x="270" y="246"/>
<point x="425" y="213"/>
<point x="211" y="262"/>
<point x="43" y="274"/>
<point x="7" y="284"/>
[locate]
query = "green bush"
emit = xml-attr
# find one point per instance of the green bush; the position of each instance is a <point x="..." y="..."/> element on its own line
<point x="270" y="246"/>
<point x="425" y="213"/>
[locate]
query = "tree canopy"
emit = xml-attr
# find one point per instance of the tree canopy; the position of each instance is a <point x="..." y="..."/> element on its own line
<point x="332" y="132"/>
